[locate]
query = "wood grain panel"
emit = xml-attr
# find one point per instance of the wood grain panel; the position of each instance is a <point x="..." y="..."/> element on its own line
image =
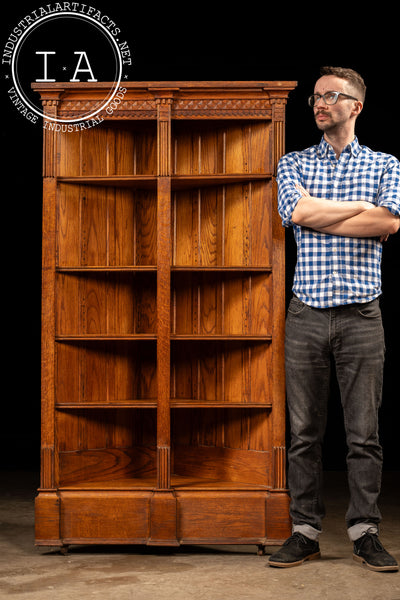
<point x="107" y="464"/>
<point x="123" y="372"/>
<point x="220" y="147"/>
<point x="227" y="225"/>
<point x="223" y="304"/>
<point x="226" y="372"/>
<point x="235" y="516"/>
<point x="106" y="303"/>
<point x="223" y="444"/>
<point x="109" y="517"/>
<point x="106" y="226"/>
<point x="109" y="150"/>
<point x="222" y="464"/>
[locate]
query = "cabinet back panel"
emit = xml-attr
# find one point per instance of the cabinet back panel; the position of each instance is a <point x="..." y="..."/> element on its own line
<point x="201" y="148"/>
<point x="224" y="304"/>
<point x="107" y="465"/>
<point x="223" y="444"/>
<point x="226" y="225"/>
<point x="108" y="372"/>
<point x="106" y="226"/>
<point x="105" y="303"/>
<point x="221" y="372"/>
<point x="96" y="429"/>
<point x="105" y="444"/>
<point x="112" y="150"/>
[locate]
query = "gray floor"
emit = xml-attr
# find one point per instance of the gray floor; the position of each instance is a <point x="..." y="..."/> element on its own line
<point x="203" y="573"/>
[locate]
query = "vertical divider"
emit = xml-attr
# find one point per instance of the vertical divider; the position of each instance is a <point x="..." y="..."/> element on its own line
<point x="48" y="475"/>
<point x="163" y="291"/>
<point x="278" y="274"/>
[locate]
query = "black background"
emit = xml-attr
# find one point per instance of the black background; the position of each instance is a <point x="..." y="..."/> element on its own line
<point x="211" y="41"/>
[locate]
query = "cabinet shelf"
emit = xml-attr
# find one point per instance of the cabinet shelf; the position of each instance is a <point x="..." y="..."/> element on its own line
<point x="175" y="337"/>
<point x="178" y="182"/>
<point x="139" y="181"/>
<point x="189" y="403"/>
<point x="174" y="268"/>
<point x="221" y="337"/>
<point x="140" y="403"/>
<point x="98" y="337"/>
<point x="107" y="269"/>
<point x="222" y="269"/>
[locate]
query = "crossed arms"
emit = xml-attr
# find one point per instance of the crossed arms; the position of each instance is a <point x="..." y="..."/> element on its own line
<point x="351" y="218"/>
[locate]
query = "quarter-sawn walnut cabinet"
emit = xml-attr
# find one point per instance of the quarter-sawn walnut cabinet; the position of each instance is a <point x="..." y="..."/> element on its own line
<point x="163" y="318"/>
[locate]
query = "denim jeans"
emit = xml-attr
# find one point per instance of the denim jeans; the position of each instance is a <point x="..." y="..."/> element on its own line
<point x="352" y="339"/>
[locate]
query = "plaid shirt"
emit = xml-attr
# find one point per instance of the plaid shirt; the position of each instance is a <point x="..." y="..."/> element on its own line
<point x="333" y="270"/>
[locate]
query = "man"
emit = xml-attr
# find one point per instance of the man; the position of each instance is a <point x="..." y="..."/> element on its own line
<point x="343" y="201"/>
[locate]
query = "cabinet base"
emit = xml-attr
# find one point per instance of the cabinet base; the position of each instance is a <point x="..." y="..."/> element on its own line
<point x="162" y="517"/>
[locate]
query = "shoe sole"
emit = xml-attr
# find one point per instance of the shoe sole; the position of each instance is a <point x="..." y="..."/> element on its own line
<point x="362" y="560"/>
<point x="296" y="563"/>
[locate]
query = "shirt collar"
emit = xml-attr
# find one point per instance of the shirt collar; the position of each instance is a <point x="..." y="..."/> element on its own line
<point x="322" y="150"/>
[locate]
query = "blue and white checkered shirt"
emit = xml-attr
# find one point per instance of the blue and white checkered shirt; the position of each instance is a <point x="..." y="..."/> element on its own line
<point x="333" y="270"/>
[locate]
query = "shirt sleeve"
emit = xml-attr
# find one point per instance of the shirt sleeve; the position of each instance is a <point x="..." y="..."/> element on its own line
<point x="288" y="176"/>
<point x="389" y="187"/>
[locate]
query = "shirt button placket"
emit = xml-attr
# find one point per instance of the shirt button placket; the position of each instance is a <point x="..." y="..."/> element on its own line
<point x="336" y="174"/>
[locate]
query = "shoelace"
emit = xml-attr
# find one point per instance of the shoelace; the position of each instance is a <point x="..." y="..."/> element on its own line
<point x="297" y="537"/>
<point x="374" y="540"/>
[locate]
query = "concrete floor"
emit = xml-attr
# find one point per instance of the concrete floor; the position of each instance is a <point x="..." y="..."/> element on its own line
<point x="202" y="573"/>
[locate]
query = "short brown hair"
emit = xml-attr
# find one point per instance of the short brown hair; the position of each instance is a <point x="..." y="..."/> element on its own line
<point x="350" y="75"/>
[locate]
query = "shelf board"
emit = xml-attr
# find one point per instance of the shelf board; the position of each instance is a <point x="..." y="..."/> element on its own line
<point x="106" y="269"/>
<point x="222" y="269"/>
<point x="105" y="337"/>
<point x="186" y="181"/>
<point x="143" y="181"/>
<point x="173" y="337"/>
<point x="221" y="337"/>
<point x="152" y="403"/>
<point x="139" y="403"/>
<point x="174" y="268"/>
<point x="177" y="181"/>
<point x="190" y="403"/>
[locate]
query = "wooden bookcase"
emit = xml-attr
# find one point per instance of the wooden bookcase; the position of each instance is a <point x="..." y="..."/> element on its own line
<point x="163" y="399"/>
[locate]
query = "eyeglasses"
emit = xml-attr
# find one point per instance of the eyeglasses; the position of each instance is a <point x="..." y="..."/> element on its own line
<point x="329" y="98"/>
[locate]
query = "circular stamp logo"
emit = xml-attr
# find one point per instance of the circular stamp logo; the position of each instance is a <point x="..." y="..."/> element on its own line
<point x="65" y="42"/>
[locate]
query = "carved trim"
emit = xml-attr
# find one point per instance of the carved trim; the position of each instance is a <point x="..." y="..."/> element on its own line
<point x="278" y="108"/>
<point x="163" y="467"/>
<point x="49" y="153"/>
<point x="279" y="466"/>
<point x="257" y="106"/>
<point x="47" y="468"/>
<point x="85" y="106"/>
<point x="164" y="136"/>
<point x="279" y="143"/>
<point x="49" y="139"/>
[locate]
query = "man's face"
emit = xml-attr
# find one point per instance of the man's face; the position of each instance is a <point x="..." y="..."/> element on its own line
<point x="330" y="117"/>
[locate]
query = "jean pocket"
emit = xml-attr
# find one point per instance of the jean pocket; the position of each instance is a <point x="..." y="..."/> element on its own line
<point x="296" y="306"/>
<point x="370" y="310"/>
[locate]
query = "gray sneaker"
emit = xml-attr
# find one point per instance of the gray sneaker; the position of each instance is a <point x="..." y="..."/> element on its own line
<point x="296" y="550"/>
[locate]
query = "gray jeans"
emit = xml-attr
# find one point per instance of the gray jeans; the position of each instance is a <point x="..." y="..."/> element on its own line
<point x="353" y="337"/>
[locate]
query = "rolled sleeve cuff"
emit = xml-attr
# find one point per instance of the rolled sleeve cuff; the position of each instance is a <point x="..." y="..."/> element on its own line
<point x="287" y="207"/>
<point x="392" y="206"/>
